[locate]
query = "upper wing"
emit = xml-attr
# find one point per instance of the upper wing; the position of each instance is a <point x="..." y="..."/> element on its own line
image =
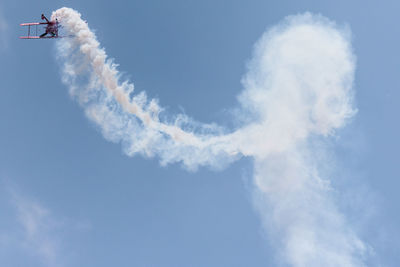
<point x="33" y="23"/>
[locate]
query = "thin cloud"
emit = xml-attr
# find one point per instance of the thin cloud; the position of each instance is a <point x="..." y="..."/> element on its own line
<point x="39" y="229"/>
<point x="34" y="231"/>
<point x="3" y="30"/>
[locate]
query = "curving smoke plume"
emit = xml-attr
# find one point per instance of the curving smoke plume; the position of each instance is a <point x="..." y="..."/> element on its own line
<point x="298" y="89"/>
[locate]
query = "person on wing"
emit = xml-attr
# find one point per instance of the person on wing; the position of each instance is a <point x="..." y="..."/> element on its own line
<point x="51" y="28"/>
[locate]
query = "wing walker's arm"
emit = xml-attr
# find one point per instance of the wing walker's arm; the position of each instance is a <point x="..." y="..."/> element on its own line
<point x="44" y="17"/>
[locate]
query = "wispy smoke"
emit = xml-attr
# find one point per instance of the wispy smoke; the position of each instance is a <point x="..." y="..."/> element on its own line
<point x="298" y="89"/>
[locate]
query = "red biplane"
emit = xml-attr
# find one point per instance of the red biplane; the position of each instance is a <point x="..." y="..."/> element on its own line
<point x="51" y="29"/>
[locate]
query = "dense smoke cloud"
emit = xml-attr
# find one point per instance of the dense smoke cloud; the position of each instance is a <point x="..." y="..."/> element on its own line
<point x="298" y="87"/>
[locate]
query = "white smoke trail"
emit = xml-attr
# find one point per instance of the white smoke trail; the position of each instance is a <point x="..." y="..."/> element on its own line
<point x="298" y="88"/>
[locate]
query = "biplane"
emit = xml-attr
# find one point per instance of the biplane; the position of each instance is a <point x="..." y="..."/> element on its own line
<point x="50" y="30"/>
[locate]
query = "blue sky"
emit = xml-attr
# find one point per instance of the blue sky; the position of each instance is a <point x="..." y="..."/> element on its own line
<point x="71" y="198"/>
